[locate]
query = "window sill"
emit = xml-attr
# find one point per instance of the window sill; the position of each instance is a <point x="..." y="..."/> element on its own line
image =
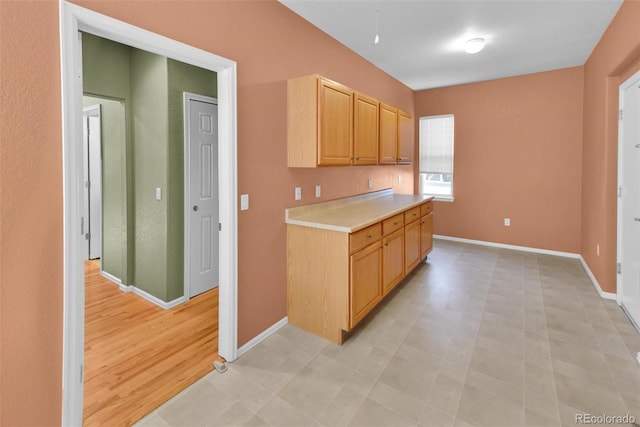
<point x="443" y="199"/>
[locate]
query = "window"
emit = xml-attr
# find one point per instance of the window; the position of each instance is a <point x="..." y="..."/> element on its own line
<point x="436" y="156"/>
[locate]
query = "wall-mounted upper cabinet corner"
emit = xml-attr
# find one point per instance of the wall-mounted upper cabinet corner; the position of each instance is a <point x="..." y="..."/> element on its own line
<point x="396" y="138"/>
<point x="329" y="124"/>
<point x="320" y="122"/>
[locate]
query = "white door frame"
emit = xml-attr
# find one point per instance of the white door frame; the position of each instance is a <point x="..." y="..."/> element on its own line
<point x="74" y="18"/>
<point x="187" y="96"/>
<point x="92" y="110"/>
<point x="621" y="155"/>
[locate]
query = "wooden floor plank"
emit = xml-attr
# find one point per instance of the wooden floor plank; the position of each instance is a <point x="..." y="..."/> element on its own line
<point x="138" y="355"/>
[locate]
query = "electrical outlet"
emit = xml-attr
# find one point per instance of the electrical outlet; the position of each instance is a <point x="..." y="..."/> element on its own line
<point x="298" y="193"/>
<point x="507" y="222"/>
<point x="244" y="202"/>
<point x="318" y="191"/>
<point x="399" y="179"/>
<point x="598" y="249"/>
<point x="370" y="183"/>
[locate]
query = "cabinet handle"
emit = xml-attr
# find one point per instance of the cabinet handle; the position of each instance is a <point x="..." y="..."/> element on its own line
<point x="386" y="244"/>
<point x="357" y="158"/>
<point x="395" y="223"/>
<point x="368" y="236"/>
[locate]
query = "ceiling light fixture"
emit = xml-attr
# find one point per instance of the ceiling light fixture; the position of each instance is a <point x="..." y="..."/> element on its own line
<point x="376" y="40"/>
<point x="474" y="45"/>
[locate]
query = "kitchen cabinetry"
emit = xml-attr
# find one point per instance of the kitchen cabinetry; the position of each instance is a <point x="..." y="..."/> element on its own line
<point x="412" y="239"/>
<point x="329" y="124"/>
<point x="388" y="134"/>
<point x="405" y="138"/>
<point x="320" y="120"/>
<point x="426" y="229"/>
<point x="392" y="252"/>
<point x="365" y="130"/>
<point x="396" y="136"/>
<point x="335" y="276"/>
<point x="365" y="274"/>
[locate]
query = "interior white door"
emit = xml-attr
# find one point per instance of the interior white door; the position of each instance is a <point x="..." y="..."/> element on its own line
<point x="628" y="292"/>
<point x="92" y="128"/>
<point x="202" y="165"/>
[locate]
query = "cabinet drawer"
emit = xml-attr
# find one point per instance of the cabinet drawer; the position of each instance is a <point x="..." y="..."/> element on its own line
<point x="390" y="225"/>
<point x="362" y="238"/>
<point x="426" y="208"/>
<point x="412" y="214"/>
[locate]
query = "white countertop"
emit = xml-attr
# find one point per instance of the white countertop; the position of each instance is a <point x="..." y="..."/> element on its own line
<point x="353" y="213"/>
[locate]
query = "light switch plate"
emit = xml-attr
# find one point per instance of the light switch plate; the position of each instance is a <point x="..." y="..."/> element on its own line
<point x="244" y="202"/>
<point x="370" y="183"/>
<point x="318" y="191"/>
<point x="158" y="193"/>
<point x="298" y="193"/>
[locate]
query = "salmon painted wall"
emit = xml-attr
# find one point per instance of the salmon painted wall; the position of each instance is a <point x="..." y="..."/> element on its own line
<point x="614" y="59"/>
<point x="31" y="220"/>
<point x="270" y="45"/>
<point x="518" y="150"/>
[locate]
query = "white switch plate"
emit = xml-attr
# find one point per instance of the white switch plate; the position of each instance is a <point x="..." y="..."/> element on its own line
<point x="507" y="222"/>
<point x="399" y="179"/>
<point x="370" y="183"/>
<point x="318" y="191"/>
<point x="158" y="193"/>
<point x="298" y="193"/>
<point x="244" y="202"/>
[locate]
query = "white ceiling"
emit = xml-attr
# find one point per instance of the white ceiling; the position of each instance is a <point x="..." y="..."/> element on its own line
<point x="421" y="41"/>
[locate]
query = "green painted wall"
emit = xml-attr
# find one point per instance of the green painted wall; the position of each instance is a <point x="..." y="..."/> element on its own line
<point x="182" y="78"/>
<point x="143" y="239"/>
<point x="150" y="115"/>
<point x="106" y="74"/>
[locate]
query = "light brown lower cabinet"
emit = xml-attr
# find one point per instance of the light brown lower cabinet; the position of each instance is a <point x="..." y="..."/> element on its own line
<point x="334" y="279"/>
<point x="365" y="288"/>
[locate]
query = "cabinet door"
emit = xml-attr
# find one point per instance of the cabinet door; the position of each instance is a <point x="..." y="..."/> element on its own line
<point x="426" y="235"/>
<point x="405" y="138"/>
<point x="411" y="245"/>
<point x="365" y="131"/>
<point x="365" y="286"/>
<point x="388" y="134"/>
<point x="392" y="260"/>
<point x="335" y="118"/>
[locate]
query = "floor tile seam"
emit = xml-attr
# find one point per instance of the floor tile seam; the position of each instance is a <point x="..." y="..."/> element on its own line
<point x="468" y="368"/>
<point x="424" y="404"/>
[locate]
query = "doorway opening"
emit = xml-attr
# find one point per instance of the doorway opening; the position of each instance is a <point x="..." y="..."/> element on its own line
<point x="73" y="20"/>
<point x="628" y="277"/>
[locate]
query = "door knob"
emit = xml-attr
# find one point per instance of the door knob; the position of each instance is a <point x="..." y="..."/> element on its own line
<point x="636" y="219"/>
<point x="195" y="208"/>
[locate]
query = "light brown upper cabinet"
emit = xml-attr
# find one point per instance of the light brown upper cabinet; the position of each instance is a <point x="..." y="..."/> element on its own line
<point x="319" y="121"/>
<point x="405" y="138"/>
<point x="329" y="124"/>
<point x="396" y="141"/>
<point x="365" y="130"/>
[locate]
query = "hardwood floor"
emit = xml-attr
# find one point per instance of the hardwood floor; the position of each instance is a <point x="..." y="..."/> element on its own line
<point x="138" y="355"/>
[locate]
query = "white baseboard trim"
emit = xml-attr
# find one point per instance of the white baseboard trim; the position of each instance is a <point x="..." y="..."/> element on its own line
<point x="111" y="277"/>
<point x="603" y="294"/>
<point x="144" y="294"/>
<point x="262" y="336"/>
<point x="505" y="246"/>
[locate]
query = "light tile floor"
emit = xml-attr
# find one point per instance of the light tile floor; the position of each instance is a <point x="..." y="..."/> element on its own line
<point x="477" y="336"/>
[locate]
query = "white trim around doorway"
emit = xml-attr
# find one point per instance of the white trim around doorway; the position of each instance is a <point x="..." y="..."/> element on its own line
<point x="73" y="19"/>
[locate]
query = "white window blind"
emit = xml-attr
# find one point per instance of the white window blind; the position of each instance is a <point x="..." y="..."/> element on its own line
<point x="436" y="144"/>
